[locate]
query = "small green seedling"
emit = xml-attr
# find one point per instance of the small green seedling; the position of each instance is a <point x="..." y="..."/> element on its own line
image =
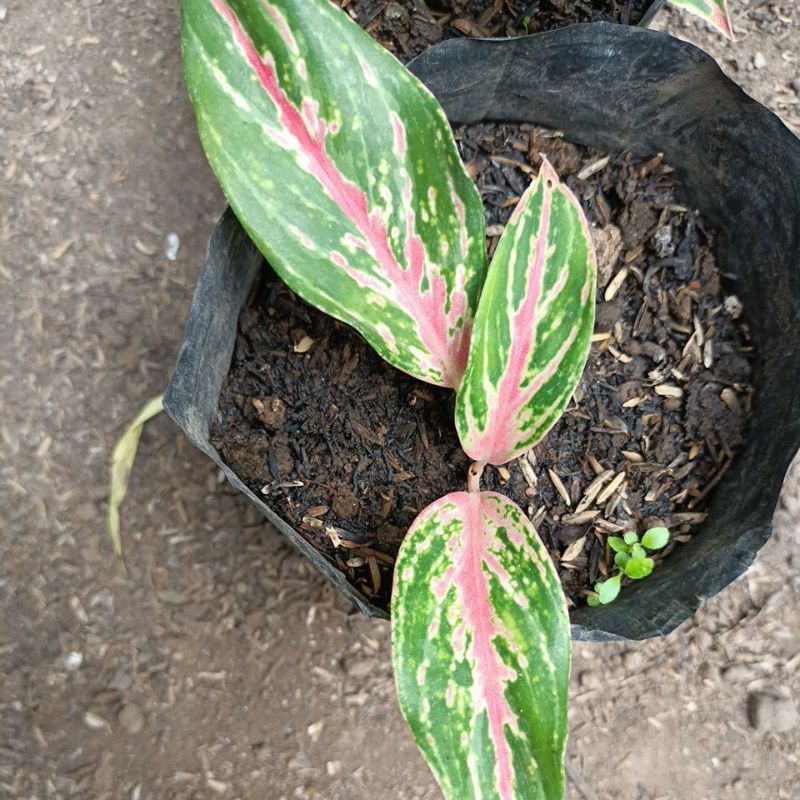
<point x="630" y="555"/>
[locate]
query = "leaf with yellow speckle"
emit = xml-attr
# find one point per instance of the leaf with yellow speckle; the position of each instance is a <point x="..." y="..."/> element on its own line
<point x="480" y="646"/>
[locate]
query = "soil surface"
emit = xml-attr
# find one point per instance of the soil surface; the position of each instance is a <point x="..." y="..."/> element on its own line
<point x="222" y="666"/>
<point x="349" y="450"/>
<point x="407" y="27"/>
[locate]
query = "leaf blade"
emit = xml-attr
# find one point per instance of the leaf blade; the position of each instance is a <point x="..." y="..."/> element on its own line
<point x="480" y="646"/>
<point x="621" y="559"/>
<point x="656" y="538"/>
<point x="608" y="590"/>
<point x="533" y="326"/>
<point x="639" y="567"/>
<point x="307" y="121"/>
<point x="617" y="545"/>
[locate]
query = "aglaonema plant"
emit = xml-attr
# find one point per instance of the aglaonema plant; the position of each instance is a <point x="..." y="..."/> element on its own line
<point x="342" y="168"/>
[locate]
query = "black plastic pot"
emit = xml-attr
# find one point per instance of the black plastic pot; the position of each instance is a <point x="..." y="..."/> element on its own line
<point x="617" y="88"/>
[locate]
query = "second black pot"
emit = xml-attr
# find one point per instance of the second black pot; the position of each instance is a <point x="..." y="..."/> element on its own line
<point x="616" y="88"/>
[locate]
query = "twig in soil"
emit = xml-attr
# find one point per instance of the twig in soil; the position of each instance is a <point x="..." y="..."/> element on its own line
<point x="276" y="485"/>
<point x="711" y="484"/>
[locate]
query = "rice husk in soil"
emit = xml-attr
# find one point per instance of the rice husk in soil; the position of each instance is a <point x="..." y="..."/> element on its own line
<point x="407" y="27"/>
<point x="349" y="450"/>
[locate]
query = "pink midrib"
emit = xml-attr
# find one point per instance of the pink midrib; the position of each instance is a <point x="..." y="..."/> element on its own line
<point x="490" y="673"/>
<point x="721" y="18"/>
<point x="427" y="311"/>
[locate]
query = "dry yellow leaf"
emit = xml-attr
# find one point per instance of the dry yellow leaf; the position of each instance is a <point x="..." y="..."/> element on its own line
<point x="122" y="459"/>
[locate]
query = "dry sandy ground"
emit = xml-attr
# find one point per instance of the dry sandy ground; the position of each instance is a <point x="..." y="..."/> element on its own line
<point x="222" y="667"/>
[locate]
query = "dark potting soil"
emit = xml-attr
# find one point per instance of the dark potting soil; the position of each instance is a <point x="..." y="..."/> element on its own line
<point x="407" y="27"/>
<point x="349" y="450"/>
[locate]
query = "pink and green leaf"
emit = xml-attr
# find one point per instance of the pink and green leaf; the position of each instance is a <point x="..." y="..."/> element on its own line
<point x="481" y="646"/>
<point x="342" y="168"/>
<point x="533" y="326"/>
<point x="713" y="11"/>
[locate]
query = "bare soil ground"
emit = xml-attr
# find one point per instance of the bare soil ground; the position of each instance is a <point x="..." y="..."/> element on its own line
<point x="222" y="667"/>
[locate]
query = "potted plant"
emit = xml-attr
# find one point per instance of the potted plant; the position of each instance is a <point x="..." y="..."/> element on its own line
<point x="255" y="73"/>
<point x="381" y="227"/>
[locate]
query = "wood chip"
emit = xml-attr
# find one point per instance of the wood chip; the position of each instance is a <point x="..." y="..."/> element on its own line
<point x="611" y="488"/>
<point x="278" y="485"/>
<point x="144" y="249"/>
<point x="511" y="162"/>
<point x="581" y="518"/>
<point x="676" y="326"/>
<point x="608" y="526"/>
<point x="612" y="424"/>
<point x="593" y="168"/>
<point x="657" y="491"/>
<point x="708" y="354"/>
<point x="527" y="471"/>
<point x="728" y="396"/>
<point x="376" y="554"/>
<point x="632" y="255"/>
<point x="615" y="284"/>
<point x="304" y="345"/>
<point x="698" y="331"/>
<point x="668" y="390"/>
<point x="623" y="357"/>
<point x="691" y="349"/>
<point x="598" y="468"/>
<point x="333" y="535"/>
<point x="374" y="574"/>
<point x="633" y="402"/>
<point x="574" y="550"/>
<point x="593" y="489"/>
<point x="560" y="488"/>
<point x="61" y="249"/>
<point x="316" y="511"/>
<point x="468" y="28"/>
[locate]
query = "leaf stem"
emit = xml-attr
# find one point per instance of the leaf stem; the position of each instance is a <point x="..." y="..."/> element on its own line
<point x="474" y="476"/>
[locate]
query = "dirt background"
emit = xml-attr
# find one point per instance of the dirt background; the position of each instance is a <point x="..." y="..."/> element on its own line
<point x="222" y="667"/>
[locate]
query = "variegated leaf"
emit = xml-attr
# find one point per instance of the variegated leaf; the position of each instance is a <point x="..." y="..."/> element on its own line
<point x="714" y="11"/>
<point x="342" y="168"/>
<point x="480" y="645"/>
<point x="533" y="327"/>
